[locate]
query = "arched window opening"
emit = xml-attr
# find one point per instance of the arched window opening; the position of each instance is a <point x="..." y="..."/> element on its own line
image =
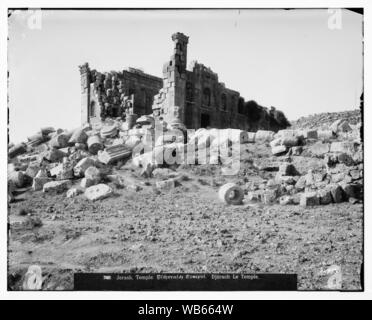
<point x="207" y="96"/>
<point x="224" y="101"/>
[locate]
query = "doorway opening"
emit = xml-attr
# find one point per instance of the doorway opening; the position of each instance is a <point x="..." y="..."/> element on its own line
<point x="205" y="120"/>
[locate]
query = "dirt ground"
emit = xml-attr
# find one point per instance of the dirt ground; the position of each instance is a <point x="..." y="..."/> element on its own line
<point x="187" y="229"/>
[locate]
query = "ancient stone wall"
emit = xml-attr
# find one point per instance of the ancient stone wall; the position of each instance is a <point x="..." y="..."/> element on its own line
<point x="196" y="98"/>
<point x="116" y="94"/>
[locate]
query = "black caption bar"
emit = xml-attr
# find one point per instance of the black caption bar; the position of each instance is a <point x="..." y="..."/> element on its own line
<point x="184" y="282"/>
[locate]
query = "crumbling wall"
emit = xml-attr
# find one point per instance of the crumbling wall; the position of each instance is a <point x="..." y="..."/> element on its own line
<point x="116" y="94"/>
<point x="196" y="98"/>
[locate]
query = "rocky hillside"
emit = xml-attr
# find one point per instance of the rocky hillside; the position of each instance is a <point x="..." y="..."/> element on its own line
<point x="325" y="120"/>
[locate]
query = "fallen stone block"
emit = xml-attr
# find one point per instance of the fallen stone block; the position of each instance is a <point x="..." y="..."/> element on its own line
<point x="166" y="184"/>
<point x="94" y="144"/>
<point x="35" y="140"/>
<point x="40" y="179"/>
<point x="56" y="186"/>
<point x="296" y="151"/>
<point x="114" y="153"/>
<point x="309" y="199"/>
<point x="285" y="200"/>
<point x="60" y="140"/>
<point x="278" y="150"/>
<point x="33" y="279"/>
<point x="93" y="173"/>
<point x="73" y="192"/>
<point x="254" y="196"/>
<point x="109" y="131"/>
<point x="83" y="165"/>
<point x="325" y="197"/>
<point x="276" y="142"/>
<point x="54" y="155"/>
<point x="98" y="192"/>
<point x="17" y="178"/>
<point x="79" y="136"/>
<point x="336" y="192"/>
<point x="353" y="190"/>
<point x="269" y="196"/>
<point x="231" y="193"/>
<point x="287" y="169"/>
<point x="17" y="150"/>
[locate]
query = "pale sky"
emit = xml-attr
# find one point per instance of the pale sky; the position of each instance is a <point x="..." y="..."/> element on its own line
<point x="288" y="59"/>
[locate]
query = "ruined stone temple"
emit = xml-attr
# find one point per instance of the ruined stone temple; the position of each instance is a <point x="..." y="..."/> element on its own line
<point x="192" y="96"/>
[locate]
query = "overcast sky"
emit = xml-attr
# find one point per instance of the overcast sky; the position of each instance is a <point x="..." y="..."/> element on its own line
<point x="288" y="59"/>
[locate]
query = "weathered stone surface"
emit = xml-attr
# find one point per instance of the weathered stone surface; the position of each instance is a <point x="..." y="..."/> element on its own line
<point x="264" y="136"/>
<point x="345" y="158"/>
<point x="109" y="131"/>
<point x="287" y="169"/>
<point x="309" y="199"/>
<point x="347" y="147"/>
<point x="54" y="155"/>
<point x="254" y="196"/>
<point x="337" y="177"/>
<point x="278" y="150"/>
<point x="301" y="183"/>
<point x="231" y="193"/>
<point x="336" y="192"/>
<point x="355" y="174"/>
<point x="40" y="179"/>
<point x="83" y="165"/>
<point x="62" y="171"/>
<point x="114" y="153"/>
<point x="325" y="197"/>
<point x="94" y="144"/>
<point x="117" y="179"/>
<point x="17" y="178"/>
<point x="285" y="200"/>
<point x="353" y="190"/>
<point x="311" y="134"/>
<point x="73" y="192"/>
<point x="319" y="148"/>
<point x="56" y="186"/>
<point x="340" y="126"/>
<point x="60" y="140"/>
<point x="296" y="151"/>
<point x="79" y="136"/>
<point x="163" y="173"/>
<point x="269" y="196"/>
<point x="98" y="192"/>
<point x="326" y="135"/>
<point x="93" y="174"/>
<point x="166" y="184"/>
<point x="16" y="150"/>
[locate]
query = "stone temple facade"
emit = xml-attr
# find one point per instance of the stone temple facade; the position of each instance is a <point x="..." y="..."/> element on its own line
<point x="191" y="97"/>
